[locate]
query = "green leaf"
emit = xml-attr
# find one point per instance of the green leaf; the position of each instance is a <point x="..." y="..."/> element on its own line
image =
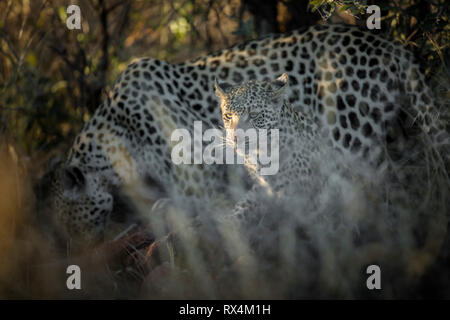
<point x="345" y="7"/>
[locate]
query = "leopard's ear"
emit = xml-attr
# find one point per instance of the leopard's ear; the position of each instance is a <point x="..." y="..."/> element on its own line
<point x="221" y="89"/>
<point x="220" y="93"/>
<point x="279" y="85"/>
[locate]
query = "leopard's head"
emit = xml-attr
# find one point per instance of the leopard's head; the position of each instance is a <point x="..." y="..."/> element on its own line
<point x="79" y="204"/>
<point x="253" y="104"/>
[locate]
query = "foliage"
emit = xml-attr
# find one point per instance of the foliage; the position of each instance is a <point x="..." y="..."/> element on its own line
<point x="53" y="78"/>
<point x="423" y="26"/>
<point x="328" y="7"/>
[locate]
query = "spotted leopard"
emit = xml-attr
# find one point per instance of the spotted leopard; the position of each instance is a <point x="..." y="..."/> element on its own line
<point x="347" y="77"/>
<point x="303" y="143"/>
<point x="262" y="105"/>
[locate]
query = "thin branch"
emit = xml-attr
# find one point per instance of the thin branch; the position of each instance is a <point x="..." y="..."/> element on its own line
<point x="117" y="4"/>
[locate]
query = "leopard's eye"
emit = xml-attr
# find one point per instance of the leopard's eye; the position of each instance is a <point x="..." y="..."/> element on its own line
<point x="227" y="116"/>
<point x="253" y="114"/>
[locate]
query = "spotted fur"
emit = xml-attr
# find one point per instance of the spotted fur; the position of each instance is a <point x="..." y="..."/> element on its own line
<point x="347" y="78"/>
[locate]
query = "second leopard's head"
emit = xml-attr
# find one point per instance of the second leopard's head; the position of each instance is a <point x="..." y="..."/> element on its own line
<point x="252" y="104"/>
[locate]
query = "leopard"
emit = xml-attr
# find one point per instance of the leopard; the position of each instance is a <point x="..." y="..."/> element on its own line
<point x="348" y="78"/>
<point x="315" y="178"/>
<point x="261" y="105"/>
<point x="303" y="142"/>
